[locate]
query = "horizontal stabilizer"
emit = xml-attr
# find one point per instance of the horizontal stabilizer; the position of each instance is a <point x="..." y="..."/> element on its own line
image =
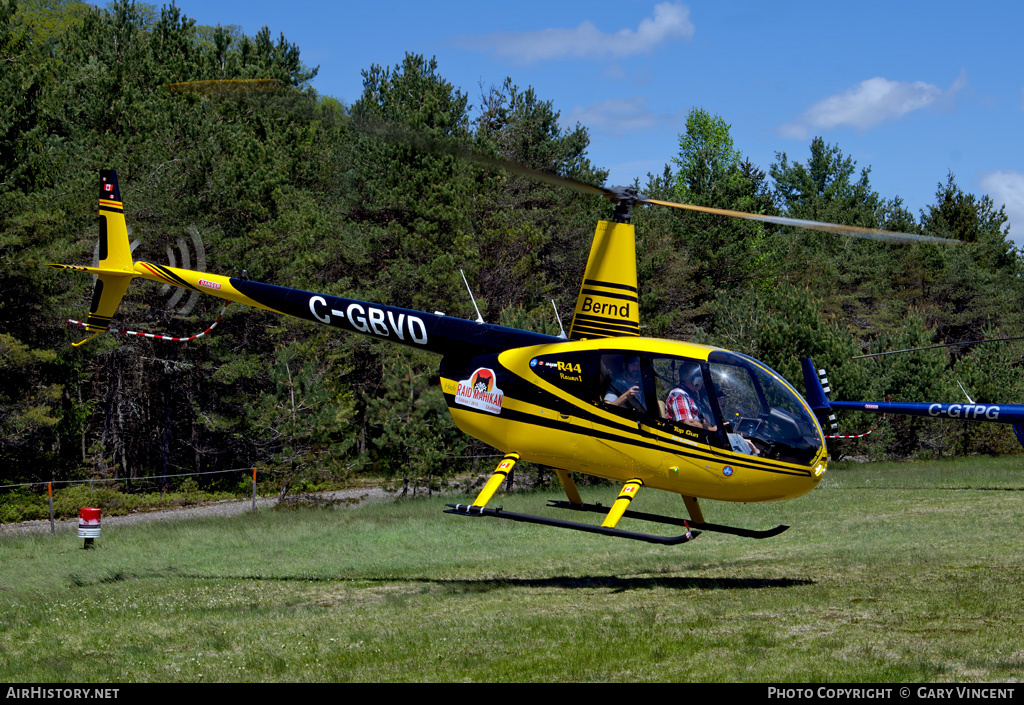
<point x="98" y="271"/>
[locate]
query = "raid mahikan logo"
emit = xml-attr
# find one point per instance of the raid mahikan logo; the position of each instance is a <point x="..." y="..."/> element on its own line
<point x="480" y="391"/>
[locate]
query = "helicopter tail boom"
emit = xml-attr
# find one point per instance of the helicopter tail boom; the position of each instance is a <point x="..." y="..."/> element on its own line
<point x="822" y="407"/>
<point x="435" y="332"/>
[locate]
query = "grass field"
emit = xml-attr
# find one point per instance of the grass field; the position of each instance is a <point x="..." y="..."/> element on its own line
<point x="908" y="572"/>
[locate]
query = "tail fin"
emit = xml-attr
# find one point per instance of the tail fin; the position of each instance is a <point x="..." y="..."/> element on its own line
<point x="116" y="269"/>
<point x="817" y="395"/>
<point x="608" y="305"/>
<point x="115" y="251"/>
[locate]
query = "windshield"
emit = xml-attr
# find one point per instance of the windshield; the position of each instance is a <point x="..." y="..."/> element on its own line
<point x="759" y="406"/>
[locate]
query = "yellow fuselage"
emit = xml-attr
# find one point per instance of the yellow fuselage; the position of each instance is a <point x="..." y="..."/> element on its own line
<point x="592" y="439"/>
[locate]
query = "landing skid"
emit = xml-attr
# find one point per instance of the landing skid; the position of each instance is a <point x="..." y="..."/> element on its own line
<point x="475" y="511"/>
<point x="675" y="521"/>
<point x="618" y="510"/>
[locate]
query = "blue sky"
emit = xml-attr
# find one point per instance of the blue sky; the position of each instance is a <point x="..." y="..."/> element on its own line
<point x="914" y="90"/>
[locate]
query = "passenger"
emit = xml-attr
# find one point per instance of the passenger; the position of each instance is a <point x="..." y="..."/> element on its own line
<point x="689" y="405"/>
<point x="687" y="402"/>
<point x="627" y="391"/>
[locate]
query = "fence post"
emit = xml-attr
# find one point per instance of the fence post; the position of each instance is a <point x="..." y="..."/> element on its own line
<point x="49" y="489"/>
<point x="254" y="489"/>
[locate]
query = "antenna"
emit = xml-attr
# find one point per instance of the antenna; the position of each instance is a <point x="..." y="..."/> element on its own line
<point x="479" y="318"/>
<point x="561" y="330"/>
<point x="965" y="392"/>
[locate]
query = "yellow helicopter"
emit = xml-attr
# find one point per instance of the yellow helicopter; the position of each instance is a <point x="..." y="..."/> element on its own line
<point x="698" y="421"/>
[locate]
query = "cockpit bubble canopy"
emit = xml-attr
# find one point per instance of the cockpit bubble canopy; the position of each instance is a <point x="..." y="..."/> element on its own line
<point x="758" y="404"/>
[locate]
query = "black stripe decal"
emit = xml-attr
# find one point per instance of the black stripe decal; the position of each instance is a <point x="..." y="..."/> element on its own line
<point x="103" y="239"/>
<point x="609" y="295"/>
<point x="674" y="447"/>
<point x="677" y="446"/>
<point x="610" y="323"/>
<point x="97" y="294"/>
<point x="629" y="427"/>
<point x="602" y="331"/>
<point x="608" y="285"/>
<point x="174" y="277"/>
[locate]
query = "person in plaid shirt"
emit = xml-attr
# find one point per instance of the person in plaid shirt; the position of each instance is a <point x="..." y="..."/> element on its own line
<point x="682" y="403"/>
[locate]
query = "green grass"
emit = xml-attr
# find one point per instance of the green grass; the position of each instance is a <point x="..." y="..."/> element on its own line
<point x="905" y="572"/>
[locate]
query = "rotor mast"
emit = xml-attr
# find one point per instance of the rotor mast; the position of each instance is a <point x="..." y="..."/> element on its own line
<point x="624" y="198"/>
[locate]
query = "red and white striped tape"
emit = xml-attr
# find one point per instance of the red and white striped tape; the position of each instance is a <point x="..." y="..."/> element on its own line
<point x="162" y="337"/>
<point x="860" y="435"/>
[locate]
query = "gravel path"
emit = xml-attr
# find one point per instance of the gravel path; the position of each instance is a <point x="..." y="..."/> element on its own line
<point x="227" y="507"/>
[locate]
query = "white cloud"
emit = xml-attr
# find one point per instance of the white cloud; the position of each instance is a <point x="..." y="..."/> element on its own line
<point x="870" y="103"/>
<point x="618" y="116"/>
<point x="670" y="21"/>
<point x="1007" y="188"/>
<point x="793" y="131"/>
<point x="614" y="116"/>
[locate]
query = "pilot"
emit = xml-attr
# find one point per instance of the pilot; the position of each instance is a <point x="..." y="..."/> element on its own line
<point x="627" y="391"/>
<point x="687" y="403"/>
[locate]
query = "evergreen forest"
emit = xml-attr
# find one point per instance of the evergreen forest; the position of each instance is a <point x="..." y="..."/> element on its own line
<point x="293" y="188"/>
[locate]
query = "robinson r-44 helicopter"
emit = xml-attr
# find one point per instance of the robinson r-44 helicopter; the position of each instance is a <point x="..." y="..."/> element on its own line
<point x="698" y="421"/>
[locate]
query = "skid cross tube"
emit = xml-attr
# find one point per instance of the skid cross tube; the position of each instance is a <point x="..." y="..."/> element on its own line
<point x="470" y="510"/>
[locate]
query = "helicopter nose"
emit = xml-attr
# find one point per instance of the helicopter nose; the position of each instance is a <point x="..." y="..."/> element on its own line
<point x="820" y="468"/>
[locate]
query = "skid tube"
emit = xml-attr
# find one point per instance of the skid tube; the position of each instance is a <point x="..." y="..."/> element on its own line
<point x="470" y="510"/>
<point x="675" y="521"/>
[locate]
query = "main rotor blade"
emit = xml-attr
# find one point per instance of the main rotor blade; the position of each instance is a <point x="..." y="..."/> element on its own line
<point x="539" y="175"/>
<point x="419" y="140"/>
<point x="855" y="230"/>
<point x="620" y="194"/>
<point x="940" y="345"/>
<point x="629" y="195"/>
